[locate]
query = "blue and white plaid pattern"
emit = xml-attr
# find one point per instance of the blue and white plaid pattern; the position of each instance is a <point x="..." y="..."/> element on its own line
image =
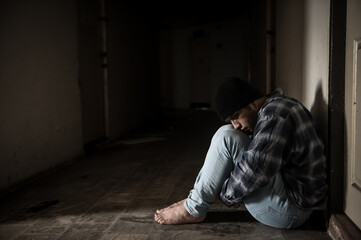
<point x="284" y="140"/>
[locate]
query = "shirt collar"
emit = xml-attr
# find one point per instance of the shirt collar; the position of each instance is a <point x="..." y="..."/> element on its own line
<point x="270" y="97"/>
<point x="277" y="92"/>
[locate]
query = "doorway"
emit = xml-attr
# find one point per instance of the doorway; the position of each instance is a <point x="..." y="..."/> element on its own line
<point x="353" y="113"/>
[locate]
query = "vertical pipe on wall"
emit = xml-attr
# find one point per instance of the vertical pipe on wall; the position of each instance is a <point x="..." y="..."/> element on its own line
<point x="104" y="63"/>
<point x="270" y="45"/>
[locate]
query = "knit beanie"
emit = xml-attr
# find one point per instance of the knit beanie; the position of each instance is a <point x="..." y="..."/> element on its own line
<point x="234" y="94"/>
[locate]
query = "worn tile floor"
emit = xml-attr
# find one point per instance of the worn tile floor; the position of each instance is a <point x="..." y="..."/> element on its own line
<point x="113" y="193"/>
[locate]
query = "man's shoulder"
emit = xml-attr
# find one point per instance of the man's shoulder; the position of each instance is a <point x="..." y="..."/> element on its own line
<point x="282" y="106"/>
<point x="279" y="104"/>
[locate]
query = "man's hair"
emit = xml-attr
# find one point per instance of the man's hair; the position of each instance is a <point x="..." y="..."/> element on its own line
<point x="234" y="94"/>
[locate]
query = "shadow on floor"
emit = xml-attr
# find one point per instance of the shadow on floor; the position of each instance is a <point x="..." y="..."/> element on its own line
<point x="114" y="192"/>
<point x="229" y="216"/>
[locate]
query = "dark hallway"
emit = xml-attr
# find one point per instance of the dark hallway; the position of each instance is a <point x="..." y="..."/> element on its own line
<point x="114" y="192"/>
<point x="106" y="109"/>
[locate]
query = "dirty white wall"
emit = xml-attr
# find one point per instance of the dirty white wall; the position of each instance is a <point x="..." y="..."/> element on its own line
<point x="316" y="51"/>
<point x="302" y="54"/>
<point x="289" y="47"/>
<point x="40" y="121"/>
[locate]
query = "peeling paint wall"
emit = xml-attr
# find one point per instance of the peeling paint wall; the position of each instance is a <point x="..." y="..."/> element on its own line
<point x="40" y="121"/>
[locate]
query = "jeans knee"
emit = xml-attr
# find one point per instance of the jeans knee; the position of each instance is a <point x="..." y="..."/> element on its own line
<point x="232" y="138"/>
<point x="226" y="127"/>
<point x="226" y="131"/>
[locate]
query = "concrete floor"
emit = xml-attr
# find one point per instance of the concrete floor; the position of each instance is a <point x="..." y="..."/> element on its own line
<point x="113" y="193"/>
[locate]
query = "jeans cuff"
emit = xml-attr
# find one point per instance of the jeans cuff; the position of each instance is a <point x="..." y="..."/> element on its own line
<point x="192" y="211"/>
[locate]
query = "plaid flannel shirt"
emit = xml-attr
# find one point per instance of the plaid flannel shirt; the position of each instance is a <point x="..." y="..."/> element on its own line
<point x="285" y="141"/>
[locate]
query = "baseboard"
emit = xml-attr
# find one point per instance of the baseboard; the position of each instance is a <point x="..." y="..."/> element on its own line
<point x="342" y="228"/>
<point x="27" y="181"/>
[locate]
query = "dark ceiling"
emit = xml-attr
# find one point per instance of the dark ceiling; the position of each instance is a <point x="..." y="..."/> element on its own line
<point x="183" y="13"/>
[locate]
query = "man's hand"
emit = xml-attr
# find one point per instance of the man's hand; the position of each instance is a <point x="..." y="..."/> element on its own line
<point x="237" y="205"/>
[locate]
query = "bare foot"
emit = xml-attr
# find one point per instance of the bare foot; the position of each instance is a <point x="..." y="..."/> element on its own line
<point x="176" y="214"/>
<point x="181" y="202"/>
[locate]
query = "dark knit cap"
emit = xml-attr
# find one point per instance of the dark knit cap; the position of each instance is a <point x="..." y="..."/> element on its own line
<point x="234" y="94"/>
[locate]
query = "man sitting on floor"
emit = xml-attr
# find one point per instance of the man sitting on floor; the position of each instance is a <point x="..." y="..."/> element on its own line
<point x="269" y="157"/>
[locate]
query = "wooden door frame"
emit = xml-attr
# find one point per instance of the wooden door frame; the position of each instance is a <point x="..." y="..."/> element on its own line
<point x="339" y="225"/>
<point x="336" y="108"/>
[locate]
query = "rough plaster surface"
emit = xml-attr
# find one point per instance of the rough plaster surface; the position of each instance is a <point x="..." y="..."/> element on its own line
<point x="40" y="123"/>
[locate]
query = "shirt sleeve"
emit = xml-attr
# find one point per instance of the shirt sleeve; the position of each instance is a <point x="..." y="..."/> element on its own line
<point x="262" y="160"/>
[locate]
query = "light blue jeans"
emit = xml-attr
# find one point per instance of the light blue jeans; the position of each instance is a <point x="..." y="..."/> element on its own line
<point x="269" y="205"/>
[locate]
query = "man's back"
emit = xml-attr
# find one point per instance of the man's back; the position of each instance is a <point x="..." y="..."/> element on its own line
<point x="284" y="141"/>
<point x="303" y="160"/>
